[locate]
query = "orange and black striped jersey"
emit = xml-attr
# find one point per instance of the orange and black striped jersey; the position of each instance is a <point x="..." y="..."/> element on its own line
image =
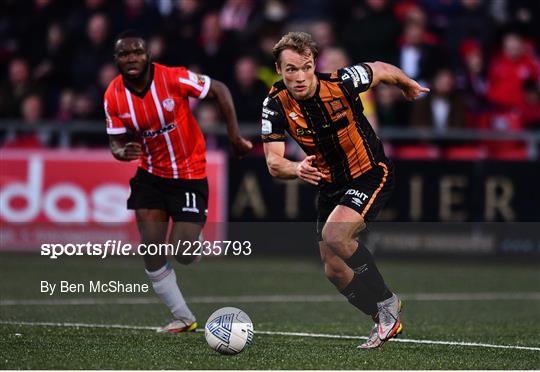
<point x="330" y="125"/>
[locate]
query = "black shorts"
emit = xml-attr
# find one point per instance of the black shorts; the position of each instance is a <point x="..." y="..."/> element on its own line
<point x="184" y="200"/>
<point x="366" y="194"/>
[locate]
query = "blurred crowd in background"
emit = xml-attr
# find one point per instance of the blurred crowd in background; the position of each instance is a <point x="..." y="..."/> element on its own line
<point x="480" y="58"/>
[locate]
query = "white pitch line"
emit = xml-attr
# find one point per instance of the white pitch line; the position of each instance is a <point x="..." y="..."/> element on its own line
<point x="469" y="296"/>
<point x="78" y="325"/>
<point x="278" y="333"/>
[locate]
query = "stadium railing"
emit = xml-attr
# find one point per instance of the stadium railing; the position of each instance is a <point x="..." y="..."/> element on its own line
<point x="64" y="132"/>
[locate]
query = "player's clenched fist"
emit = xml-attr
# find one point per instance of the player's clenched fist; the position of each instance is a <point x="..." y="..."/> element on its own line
<point x="131" y="151"/>
<point x="307" y="172"/>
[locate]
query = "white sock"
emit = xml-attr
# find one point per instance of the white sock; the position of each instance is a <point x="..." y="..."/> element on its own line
<point x="166" y="287"/>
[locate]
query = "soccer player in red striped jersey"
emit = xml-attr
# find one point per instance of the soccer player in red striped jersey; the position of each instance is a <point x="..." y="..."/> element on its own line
<point x="149" y="120"/>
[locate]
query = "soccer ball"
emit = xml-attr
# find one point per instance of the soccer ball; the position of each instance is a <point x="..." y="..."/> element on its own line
<point x="229" y="330"/>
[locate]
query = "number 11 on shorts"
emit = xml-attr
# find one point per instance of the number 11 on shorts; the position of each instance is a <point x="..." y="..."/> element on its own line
<point x="191" y="203"/>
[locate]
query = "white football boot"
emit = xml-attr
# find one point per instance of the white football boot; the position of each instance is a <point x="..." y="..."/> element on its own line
<point x="389" y="322"/>
<point x="178" y="326"/>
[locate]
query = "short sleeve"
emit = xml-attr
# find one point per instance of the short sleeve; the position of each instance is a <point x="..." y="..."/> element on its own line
<point x="273" y="121"/>
<point x="191" y="84"/>
<point x="114" y="124"/>
<point x="357" y="78"/>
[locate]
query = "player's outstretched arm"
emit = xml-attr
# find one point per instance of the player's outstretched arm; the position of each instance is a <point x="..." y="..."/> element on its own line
<point x="221" y="93"/>
<point x="390" y="74"/>
<point x="124" y="150"/>
<point x="280" y="167"/>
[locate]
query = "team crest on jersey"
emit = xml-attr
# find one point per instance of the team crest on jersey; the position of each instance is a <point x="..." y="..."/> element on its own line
<point x="168" y="104"/>
<point x="337" y="106"/>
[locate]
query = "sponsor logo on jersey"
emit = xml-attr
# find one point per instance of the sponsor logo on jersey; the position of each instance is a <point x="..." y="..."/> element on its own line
<point x="267" y="112"/>
<point x="168" y="104"/>
<point x="358" y="197"/>
<point x="153" y="133"/>
<point x="265" y="102"/>
<point x="266" y="126"/>
<point x="304" y="132"/>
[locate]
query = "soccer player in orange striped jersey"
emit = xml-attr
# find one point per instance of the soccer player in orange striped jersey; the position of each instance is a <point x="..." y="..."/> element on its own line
<point x="149" y="120"/>
<point x="345" y="160"/>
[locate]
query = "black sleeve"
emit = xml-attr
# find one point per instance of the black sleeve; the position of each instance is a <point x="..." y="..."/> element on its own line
<point x="357" y="78"/>
<point x="273" y="121"/>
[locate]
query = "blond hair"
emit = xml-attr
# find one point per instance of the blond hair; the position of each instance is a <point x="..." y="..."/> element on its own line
<point x="300" y="42"/>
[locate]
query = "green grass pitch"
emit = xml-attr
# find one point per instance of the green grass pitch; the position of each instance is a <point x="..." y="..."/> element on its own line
<point x="493" y="303"/>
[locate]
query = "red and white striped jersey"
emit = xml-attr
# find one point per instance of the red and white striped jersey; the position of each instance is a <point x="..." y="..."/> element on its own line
<point x="173" y="145"/>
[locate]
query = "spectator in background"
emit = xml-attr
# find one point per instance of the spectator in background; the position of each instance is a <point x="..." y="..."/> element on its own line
<point x="93" y="53"/>
<point x="248" y="90"/>
<point x="509" y="71"/>
<point x="217" y="51"/>
<point x="372" y="34"/>
<point x="31" y="25"/>
<point x="472" y="80"/>
<point x="18" y="86"/>
<point x="235" y="15"/>
<point x="32" y="109"/>
<point x="65" y="106"/>
<point x="138" y="15"/>
<point x="530" y="111"/>
<point x="267" y="70"/>
<point x="526" y="15"/>
<point x="440" y="13"/>
<point x="209" y="119"/>
<point x="28" y="136"/>
<point x="106" y="74"/>
<point x="471" y="22"/>
<point x="78" y="19"/>
<point x="54" y="64"/>
<point x="443" y="108"/>
<point x="84" y="107"/>
<point x="418" y="54"/>
<point x="53" y="68"/>
<point x="323" y="34"/>
<point x="392" y="109"/>
<point x="182" y="28"/>
<point x="275" y="11"/>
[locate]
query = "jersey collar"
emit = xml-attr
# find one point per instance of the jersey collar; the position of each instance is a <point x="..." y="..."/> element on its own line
<point x="142" y="93"/>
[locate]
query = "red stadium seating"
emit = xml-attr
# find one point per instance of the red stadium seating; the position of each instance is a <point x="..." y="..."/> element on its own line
<point x="465" y="152"/>
<point x="414" y="152"/>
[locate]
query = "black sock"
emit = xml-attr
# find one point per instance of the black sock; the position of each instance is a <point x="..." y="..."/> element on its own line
<point x="360" y="296"/>
<point x="361" y="262"/>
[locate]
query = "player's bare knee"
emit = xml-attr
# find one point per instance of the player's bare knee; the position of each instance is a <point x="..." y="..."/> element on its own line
<point x="335" y="237"/>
